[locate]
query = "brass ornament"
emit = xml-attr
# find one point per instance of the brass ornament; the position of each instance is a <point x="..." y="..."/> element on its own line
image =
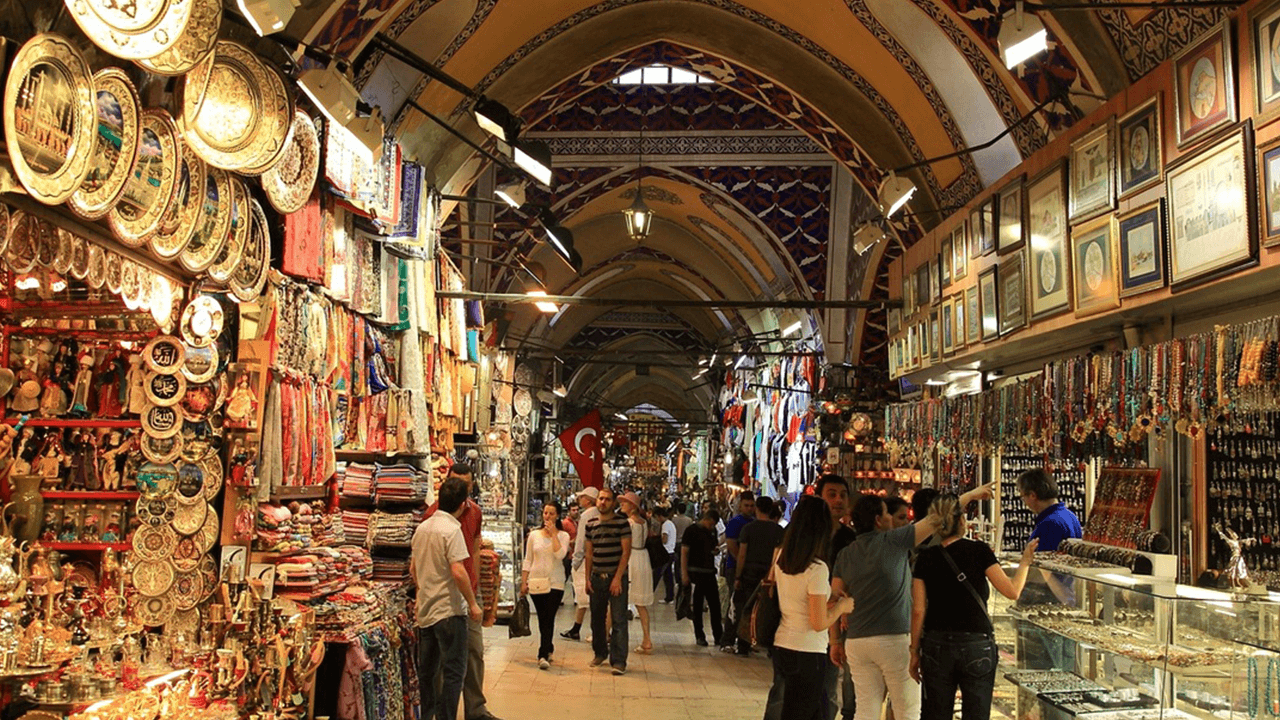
<point x="116" y="150"/>
<point x="184" y="215"/>
<point x="153" y="578"/>
<point x="195" y="44"/>
<point x="250" y="277"/>
<point x="242" y="121"/>
<point x="227" y="260"/>
<point x="153" y="611"/>
<point x="153" y="182"/>
<point x="154" y="543"/>
<point x="79" y="257"/>
<point x="206" y="242"/>
<point x="291" y="180"/>
<point x="135" y="29"/>
<point x="24" y="235"/>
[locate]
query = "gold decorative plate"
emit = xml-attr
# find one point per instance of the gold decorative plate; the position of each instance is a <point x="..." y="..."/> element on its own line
<point x="153" y="578"/>
<point x="189" y="517"/>
<point x="132" y="279"/>
<point x="289" y="182"/>
<point x="5" y="226"/>
<point x="242" y="122"/>
<point x="202" y="321"/>
<point x="156" y="511"/>
<point x="187" y="586"/>
<point x="79" y="257"/>
<point x="161" y="422"/>
<point x="208" y="535"/>
<point x="195" y="44"/>
<point x="201" y="401"/>
<point x="250" y="277"/>
<point x="201" y="364"/>
<point x="164" y="390"/>
<point x="162" y="301"/>
<point x="24" y="236"/>
<point x="164" y="355"/>
<point x="156" y="480"/>
<point x="227" y="260"/>
<point x="160" y="450"/>
<point x="184" y="215"/>
<point x="212" y="466"/>
<point x="118" y="122"/>
<point x="47" y="244"/>
<point x="152" y="182"/>
<point x="97" y="266"/>
<point x="49" y="119"/>
<point x="154" y="543"/>
<point x="186" y="621"/>
<point x="190" y="485"/>
<point x="132" y="29"/>
<point x="206" y="242"/>
<point x="62" y="259"/>
<point x="153" y="612"/>
<point x="115" y="273"/>
<point x="209" y="571"/>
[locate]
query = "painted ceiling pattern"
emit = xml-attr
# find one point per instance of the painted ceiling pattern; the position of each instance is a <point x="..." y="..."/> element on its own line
<point x="620" y="108"/>
<point x="1147" y="42"/>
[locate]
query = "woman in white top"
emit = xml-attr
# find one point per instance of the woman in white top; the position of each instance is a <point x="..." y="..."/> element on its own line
<point x="804" y="588"/>
<point x="638" y="569"/>
<point x="542" y="576"/>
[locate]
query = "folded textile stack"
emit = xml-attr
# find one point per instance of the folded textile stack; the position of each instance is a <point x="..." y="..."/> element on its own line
<point x="313" y="575"/>
<point x="356" y="480"/>
<point x="400" y="483"/>
<point x="391" y="569"/>
<point x="355" y="526"/>
<point x="393" y="529"/>
<point x="276" y="531"/>
<point x="359" y="563"/>
<point x="328" y="530"/>
<point x="346" y="614"/>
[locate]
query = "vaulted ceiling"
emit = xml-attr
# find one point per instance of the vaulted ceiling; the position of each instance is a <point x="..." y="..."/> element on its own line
<point x="756" y="179"/>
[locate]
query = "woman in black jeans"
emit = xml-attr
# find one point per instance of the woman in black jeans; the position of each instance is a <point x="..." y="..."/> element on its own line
<point x="952" y="641"/>
<point x="542" y="576"/>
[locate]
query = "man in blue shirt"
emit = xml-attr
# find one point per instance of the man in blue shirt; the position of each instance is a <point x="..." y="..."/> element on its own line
<point x="733" y="528"/>
<point x="1054" y="521"/>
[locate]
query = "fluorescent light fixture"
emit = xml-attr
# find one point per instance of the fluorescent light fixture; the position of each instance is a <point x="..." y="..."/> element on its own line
<point x="639" y="217"/>
<point x="866" y="238"/>
<point x="935" y="382"/>
<point x="700" y="373"/>
<point x="512" y="193"/>
<point x="1022" y="36"/>
<point x="561" y="391"/>
<point x="621" y="416"/>
<point x="894" y="193"/>
<point x="267" y="16"/>
<point x="792" y="328"/>
<point x="742" y="360"/>
<point x="545" y="306"/>
<point x="561" y="241"/>
<point x="494" y="118"/>
<point x="534" y="157"/>
<point x="671" y="448"/>
<point x="334" y="95"/>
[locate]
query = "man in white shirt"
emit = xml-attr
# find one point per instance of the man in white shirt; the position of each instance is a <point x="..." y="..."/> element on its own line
<point x="590" y="515"/>
<point x="668" y="534"/>
<point x="444" y="602"/>
<point x="682" y="522"/>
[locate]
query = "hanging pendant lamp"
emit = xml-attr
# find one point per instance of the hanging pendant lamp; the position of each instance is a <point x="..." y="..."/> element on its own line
<point x="639" y="217"/>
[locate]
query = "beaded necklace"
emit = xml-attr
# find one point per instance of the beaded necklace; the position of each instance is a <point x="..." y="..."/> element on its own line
<point x="1251" y="687"/>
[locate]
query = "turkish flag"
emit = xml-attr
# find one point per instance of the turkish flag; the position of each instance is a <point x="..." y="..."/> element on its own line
<point x="582" y="441"/>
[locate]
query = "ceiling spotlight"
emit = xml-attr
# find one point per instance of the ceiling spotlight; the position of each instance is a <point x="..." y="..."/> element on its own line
<point x="561" y="391"/>
<point x="792" y="328"/>
<point x="512" y="193"/>
<point x="534" y="157"/>
<point x="750" y="395"/>
<point x="894" y="193"/>
<point x="1022" y="36"/>
<point x="639" y="217"/>
<point x="621" y="416"/>
<point x="866" y="238"/>
<point x="334" y="95"/>
<point x="494" y="118"/>
<point x="267" y="16"/>
<point x="561" y="240"/>
<point x="545" y="306"/>
<point x="700" y="373"/>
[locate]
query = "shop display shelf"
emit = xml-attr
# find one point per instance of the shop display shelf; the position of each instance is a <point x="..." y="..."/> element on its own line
<point x="86" y="546"/>
<point x="301" y="492"/>
<point x="375" y="455"/>
<point x="75" y="422"/>
<point x="90" y="494"/>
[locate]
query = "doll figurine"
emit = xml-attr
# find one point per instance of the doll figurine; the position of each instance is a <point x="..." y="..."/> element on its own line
<point x="242" y="406"/>
<point x="111" y="381"/>
<point x="53" y="399"/>
<point x="49" y="467"/>
<point x="134" y="380"/>
<point x="111" y="450"/>
<point x="83" y="385"/>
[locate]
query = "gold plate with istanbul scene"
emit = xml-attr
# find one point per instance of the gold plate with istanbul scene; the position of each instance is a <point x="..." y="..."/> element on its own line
<point x="215" y="222"/>
<point x="196" y="43"/>
<point x="132" y="29"/>
<point x="62" y="259"/>
<point x="250" y="276"/>
<point x="118" y="113"/>
<point x="97" y="266"/>
<point x="186" y="212"/>
<point x="242" y="121"/>
<point x="24" y="236"/>
<point x="289" y="182"/>
<point x="6" y="224"/>
<point x="227" y="260"/>
<point x="50" y="125"/>
<point x="152" y="182"/>
<point x="79" y="257"/>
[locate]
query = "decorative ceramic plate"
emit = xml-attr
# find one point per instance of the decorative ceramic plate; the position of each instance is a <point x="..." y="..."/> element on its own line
<point x="209" y="571"/>
<point x="162" y="301"/>
<point x="24" y="236"/>
<point x="208" y="535"/>
<point x="202" y="320"/>
<point x="47" y="244"/>
<point x="153" y="612"/>
<point x="153" y="182"/>
<point x="242" y="121"/>
<point x="186" y="622"/>
<point x="97" y="266"/>
<point x="201" y="364"/>
<point x="190" y="484"/>
<point x="79" y="257"/>
<point x="153" y="578"/>
<point x="186" y="555"/>
<point x="195" y="44"/>
<point x="227" y="260"/>
<point x="154" y="543"/>
<point x="164" y="390"/>
<point x="197" y="442"/>
<point x="132" y="30"/>
<point x="115" y="273"/>
<point x="62" y="260"/>
<point x="156" y="480"/>
<point x="188" y="518"/>
<point x="250" y="277"/>
<point x="5" y="226"/>
<point x="160" y="450"/>
<point x="187" y="586"/>
<point x="201" y="401"/>
<point x="289" y="182"/>
<point x="522" y="402"/>
<point x="211" y="232"/>
<point x="49" y="121"/>
<point x="194" y="85"/>
<point x="118" y="125"/>
<point x="156" y="511"/>
<point x="162" y="422"/>
<point x="184" y="214"/>
<point x="164" y="354"/>
<point x="131" y="281"/>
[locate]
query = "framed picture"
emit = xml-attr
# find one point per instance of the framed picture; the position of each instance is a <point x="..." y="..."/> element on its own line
<point x="935" y="282"/>
<point x="959" y="253"/>
<point x="1269" y="189"/>
<point x="923" y="286"/>
<point x="1012" y="286"/>
<point x="1093" y="263"/>
<point x="981" y="230"/>
<point x="947" y="317"/>
<point x="958" y="311"/>
<point x="935" y="336"/>
<point x="913" y="348"/>
<point x="1090" y="172"/>
<point x="922" y="337"/>
<point x="944" y="262"/>
<point x="972" y="316"/>
<point x="1139" y="148"/>
<point x="1012" y="217"/>
<point x="908" y="294"/>
<point x="1141" y="249"/>
<point x="989" y="309"/>
<point x="1211" y="231"/>
<point x="1204" y="85"/>
<point x="895" y="320"/>
<point x="1047" y="247"/>
<point x="1265" y="25"/>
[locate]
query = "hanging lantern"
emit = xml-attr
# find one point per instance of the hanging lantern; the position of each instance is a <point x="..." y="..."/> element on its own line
<point x="638" y="217"/>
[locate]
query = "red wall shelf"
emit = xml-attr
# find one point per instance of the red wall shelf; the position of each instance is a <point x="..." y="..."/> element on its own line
<point x="85" y="546"/>
<point x="90" y="495"/>
<point x="64" y="423"/>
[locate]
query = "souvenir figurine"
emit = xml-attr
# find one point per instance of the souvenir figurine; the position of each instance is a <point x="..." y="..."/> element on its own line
<point x="27" y="397"/>
<point x="111" y="533"/>
<point x="49" y="466"/>
<point x="91" y="531"/>
<point x="84" y="381"/>
<point x="85" y="461"/>
<point x="135" y="379"/>
<point x="242" y="406"/>
<point x="111" y="450"/>
<point x="53" y="399"/>
<point x="111" y="383"/>
<point x="68" y="532"/>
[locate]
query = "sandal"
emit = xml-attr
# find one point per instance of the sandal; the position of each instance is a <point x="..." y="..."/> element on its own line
<point x="644" y="650"/>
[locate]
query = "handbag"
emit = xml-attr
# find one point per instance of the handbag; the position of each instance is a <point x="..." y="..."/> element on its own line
<point x="766" y="610"/>
<point x="519" y="625"/>
<point x="684" y="602"/>
<point x="539" y="586"/>
<point x="964" y="580"/>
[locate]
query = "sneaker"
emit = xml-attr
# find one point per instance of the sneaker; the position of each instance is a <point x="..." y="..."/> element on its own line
<point x="597" y="662"/>
<point x="728" y="649"/>
<point x="570" y="634"/>
<point x="543" y="664"/>
<point x="667" y="601"/>
<point x="619" y="670"/>
<point x="702" y="642"/>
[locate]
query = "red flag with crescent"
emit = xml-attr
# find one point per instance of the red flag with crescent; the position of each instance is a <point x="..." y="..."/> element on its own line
<point x="582" y="441"/>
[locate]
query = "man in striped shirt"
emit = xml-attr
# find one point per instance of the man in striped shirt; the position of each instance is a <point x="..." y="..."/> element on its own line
<point x="608" y="550"/>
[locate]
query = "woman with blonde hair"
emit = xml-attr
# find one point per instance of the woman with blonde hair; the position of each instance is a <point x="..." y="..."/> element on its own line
<point x="639" y="570"/>
<point x="952" y="640"/>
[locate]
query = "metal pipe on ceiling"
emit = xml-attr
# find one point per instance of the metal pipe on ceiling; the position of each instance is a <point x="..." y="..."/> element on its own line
<point x="518" y="298"/>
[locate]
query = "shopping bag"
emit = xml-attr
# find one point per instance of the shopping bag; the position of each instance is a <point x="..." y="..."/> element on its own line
<point x="519" y="625"/>
<point x="766" y="614"/>
<point x="684" y="602"/>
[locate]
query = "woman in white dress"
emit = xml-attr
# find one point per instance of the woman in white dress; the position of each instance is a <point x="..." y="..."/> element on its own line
<point x="639" y="569"/>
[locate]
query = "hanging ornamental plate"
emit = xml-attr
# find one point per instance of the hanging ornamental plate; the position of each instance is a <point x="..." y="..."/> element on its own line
<point x="132" y="29"/>
<point x="153" y="578"/>
<point x="97" y="266"/>
<point x="164" y="390"/>
<point x="153" y="182"/>
<point x="242" y="121"/>
<point x="190" y="484"/>
<point x="250" y="276"/>
<point x="184" y="214"/>
<point x="46" y="244"/>
<point x="156" y="480"/>
<point x="132" y="280"/>
<point x="211" y="232"/>
<point x="153" y="612"/>
<point x="154" y="543"/>
<point x="522" y="402"/>
<point x="115" y="273"/>
<point x="187" y="587"/>
<point x="160" y="450"/>
<point x="208" y="535"/>
<point x="6" y="220"/>
<point x="164" y="355"/>
<point x="62" y="259"/>
<point x="289" y="182"/>
<point x="24" y="235"/>
<point x="49" y="121"/>
<point x="209" y="571"/>
<point x="162" y="422"/>
<point x="188" y="518"/>
<point x="195" y="44"/>
<point x="523" y="374"/>
<point x="118" y="124"/>
<point x="162" y="301"/>
<point x="227" y="260"/>
<point x="202" y="321"/>
<point x="197" y="442"/>
<point x="201" y="364"/>
<point x="156" y="511"/>
<point x="201" y="401"/>
<point x="186" y="554"/>
<point x="186" y="622"/>
<point x="212" y="467"/>
<point x="79" y="257"/>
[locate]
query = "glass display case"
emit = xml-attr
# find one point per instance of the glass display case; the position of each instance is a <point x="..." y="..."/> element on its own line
<point x="1101" y="643"/>
<point x="508" y="542"/>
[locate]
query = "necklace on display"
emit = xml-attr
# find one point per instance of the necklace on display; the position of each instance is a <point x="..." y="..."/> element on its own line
<point x="1251" y="687"/>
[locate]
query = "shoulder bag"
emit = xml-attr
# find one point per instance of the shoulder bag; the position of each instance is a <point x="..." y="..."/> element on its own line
<point x="766" y="612"/>
<point x="964" y="580"/>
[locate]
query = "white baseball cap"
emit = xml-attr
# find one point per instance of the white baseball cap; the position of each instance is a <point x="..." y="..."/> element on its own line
<point x="593" y="492"/>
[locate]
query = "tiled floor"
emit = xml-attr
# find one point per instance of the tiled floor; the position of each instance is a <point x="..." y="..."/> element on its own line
<point x="679" y="681"/>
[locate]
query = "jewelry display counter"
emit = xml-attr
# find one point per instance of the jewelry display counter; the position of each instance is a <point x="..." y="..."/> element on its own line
<point x="1106" y="644"/>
